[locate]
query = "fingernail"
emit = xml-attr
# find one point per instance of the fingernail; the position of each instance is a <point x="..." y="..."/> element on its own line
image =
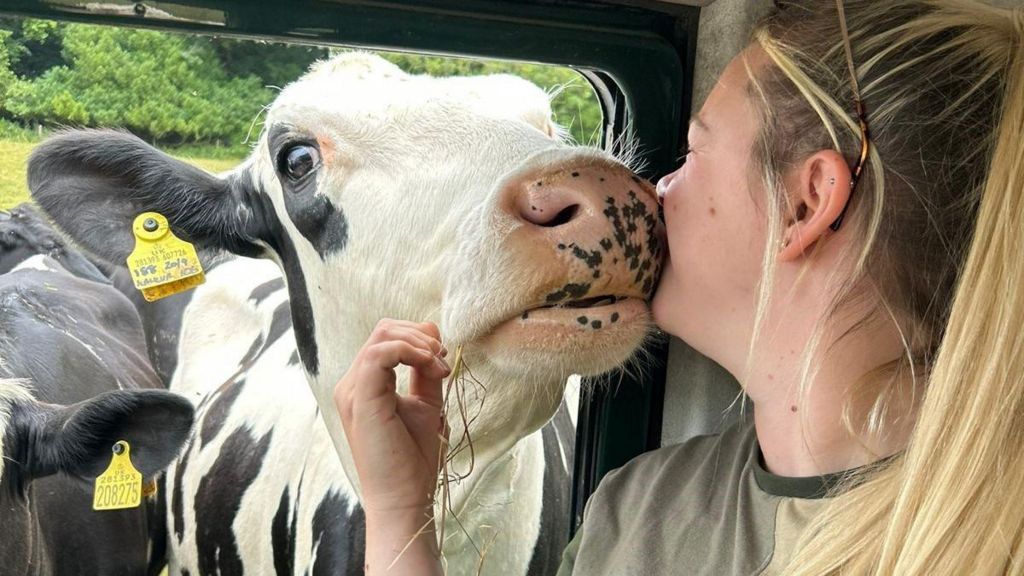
<point x="442" y="364"/>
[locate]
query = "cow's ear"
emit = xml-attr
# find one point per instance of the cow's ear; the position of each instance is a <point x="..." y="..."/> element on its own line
<point x="93" y="183"/>
<point x="44" y="439"/>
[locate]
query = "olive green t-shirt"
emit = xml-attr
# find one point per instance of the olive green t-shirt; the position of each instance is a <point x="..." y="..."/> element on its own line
<point x="706" y="506"/>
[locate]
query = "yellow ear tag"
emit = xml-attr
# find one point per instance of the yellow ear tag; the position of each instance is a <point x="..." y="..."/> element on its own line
<point x="162" y="264"/>
<point x="120" y="486"/>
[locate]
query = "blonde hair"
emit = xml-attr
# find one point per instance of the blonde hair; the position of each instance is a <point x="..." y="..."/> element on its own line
<point x="939" y="215"/>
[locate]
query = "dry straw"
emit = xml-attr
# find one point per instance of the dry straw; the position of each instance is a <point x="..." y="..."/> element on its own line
<point x="461" y="383"/>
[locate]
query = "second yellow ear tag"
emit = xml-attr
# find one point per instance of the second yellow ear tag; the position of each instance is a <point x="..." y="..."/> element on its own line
<point x="120" y="486"/>
<point x="161" y="263"/>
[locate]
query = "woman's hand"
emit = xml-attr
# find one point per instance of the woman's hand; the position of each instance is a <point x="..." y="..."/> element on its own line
<point x="395" y="442"/>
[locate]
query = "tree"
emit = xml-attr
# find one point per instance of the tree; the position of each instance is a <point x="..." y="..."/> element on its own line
<point x="7" y="77"/>
<point x="275" y="64"/>
<point x="158" y="85"/>
<point x="32" y="46"/>
<point x="574" y="104"/>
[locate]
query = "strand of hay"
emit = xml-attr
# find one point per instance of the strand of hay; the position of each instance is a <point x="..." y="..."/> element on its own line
<point x="460" y="383"/>
<point x="455" y="404"/>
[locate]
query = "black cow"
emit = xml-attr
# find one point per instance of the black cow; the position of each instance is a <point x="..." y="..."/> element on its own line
<point x="74" y="379"/>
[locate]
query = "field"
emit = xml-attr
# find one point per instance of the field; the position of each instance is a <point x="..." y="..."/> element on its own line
<point x="14" y="154"/>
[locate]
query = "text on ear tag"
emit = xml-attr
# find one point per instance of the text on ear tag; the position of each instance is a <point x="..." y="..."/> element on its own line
<point x="161" y="263"/>
<point x="120" y="486"/>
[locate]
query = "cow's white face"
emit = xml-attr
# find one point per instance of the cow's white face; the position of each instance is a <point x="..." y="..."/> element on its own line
<point x="387" y="195"/>
<point x="453" y="200"/>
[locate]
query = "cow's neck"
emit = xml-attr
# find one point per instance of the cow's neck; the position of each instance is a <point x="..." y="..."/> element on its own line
<point x="493" y="433"/>
<point x="497" y="432"/>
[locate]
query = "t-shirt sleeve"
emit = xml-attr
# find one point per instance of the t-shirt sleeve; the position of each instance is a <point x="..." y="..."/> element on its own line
<point x="569" y="554"/>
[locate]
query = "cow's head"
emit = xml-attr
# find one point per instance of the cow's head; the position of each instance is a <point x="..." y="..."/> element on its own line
<point x="24" y="234"/>
<point x="384" y="194"/>
<point x="38" y="439"/>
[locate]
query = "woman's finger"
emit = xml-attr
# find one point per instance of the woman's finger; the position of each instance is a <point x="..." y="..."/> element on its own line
<point x="387" y="328"/>
<point x="429" y="386"/>
<point x="375" y="373"/>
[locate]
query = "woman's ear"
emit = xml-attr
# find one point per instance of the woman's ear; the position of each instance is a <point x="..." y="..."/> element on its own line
<point x="818" y="188"/>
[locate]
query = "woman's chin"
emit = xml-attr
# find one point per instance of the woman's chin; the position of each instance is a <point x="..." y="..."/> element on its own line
<point x="665" y="308"/>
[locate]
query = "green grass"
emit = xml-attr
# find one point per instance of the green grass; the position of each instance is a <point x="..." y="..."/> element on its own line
<point x="14" y="152"/>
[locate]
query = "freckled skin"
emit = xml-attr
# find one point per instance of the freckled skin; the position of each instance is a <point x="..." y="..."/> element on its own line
<point x="707" y="291"/>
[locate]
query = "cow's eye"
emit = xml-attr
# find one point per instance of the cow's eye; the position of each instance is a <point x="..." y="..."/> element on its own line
<point x="298" y="160"/>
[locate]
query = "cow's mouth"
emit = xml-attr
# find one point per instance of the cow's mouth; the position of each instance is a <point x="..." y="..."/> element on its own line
<point x="595" y="312"/>
<point x="593" y="334"/>
<point x="594" y="302"/>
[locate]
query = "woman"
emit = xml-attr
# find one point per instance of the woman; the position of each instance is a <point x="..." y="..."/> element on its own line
<point x="846" y="237"/>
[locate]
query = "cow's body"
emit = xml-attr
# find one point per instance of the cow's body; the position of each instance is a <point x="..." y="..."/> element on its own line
<point x="71" y="340"/>
<point x="379" y="194"/>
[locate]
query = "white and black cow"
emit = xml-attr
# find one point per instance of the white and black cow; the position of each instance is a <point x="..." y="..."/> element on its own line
<point x="289" y="508"/>
<point x="380" y="194"/>
<point x="74" y="379"/>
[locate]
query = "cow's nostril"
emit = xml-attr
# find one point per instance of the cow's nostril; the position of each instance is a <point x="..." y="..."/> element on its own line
<point x="564" y="216"/>
<point x="549" y="208"/>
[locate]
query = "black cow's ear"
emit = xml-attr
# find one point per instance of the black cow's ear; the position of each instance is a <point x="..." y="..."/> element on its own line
<point x="93" y="183"/>
<point x="155" y="423"/>
<point x="44" y="439"/>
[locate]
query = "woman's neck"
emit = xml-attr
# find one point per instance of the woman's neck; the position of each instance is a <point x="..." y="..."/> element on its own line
<point x="804" y="432"/>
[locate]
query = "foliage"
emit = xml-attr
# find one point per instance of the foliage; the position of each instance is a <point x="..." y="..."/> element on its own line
<point x="574" y="105"/>
<point x="274" y="64"/>
<point x="160" y="86"/>
<point x="31" y="46"/>
<point x="175" y="89"/>
<point x="7" y="77"/>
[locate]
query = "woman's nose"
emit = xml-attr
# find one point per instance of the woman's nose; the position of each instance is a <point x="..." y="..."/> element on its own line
<point x="663" y="186"/>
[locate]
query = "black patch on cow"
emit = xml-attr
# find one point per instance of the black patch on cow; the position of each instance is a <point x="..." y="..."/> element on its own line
<point x="559" y="437"/>
<point x="314" y="215"/>
<point x="219" y="498"/>
<point x="177" y="499"/>
<point x="255" y="349"/>
<point x="570" y="291"/>
<point x="282" y="539"/>
<point x="341" y="536"/>
<point x="592" y="258"/>
<point x="279" y="323"/>
<point x="295" y="511"/>
<point x="298" y="295"/>
<point x="265" y="290"/>
<point x="217" y="415"/>
<point x="626" y="221"/>
<point x="596" y="324"/>
<point x="615" y="317"/>
<point x="185" y="572"/>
